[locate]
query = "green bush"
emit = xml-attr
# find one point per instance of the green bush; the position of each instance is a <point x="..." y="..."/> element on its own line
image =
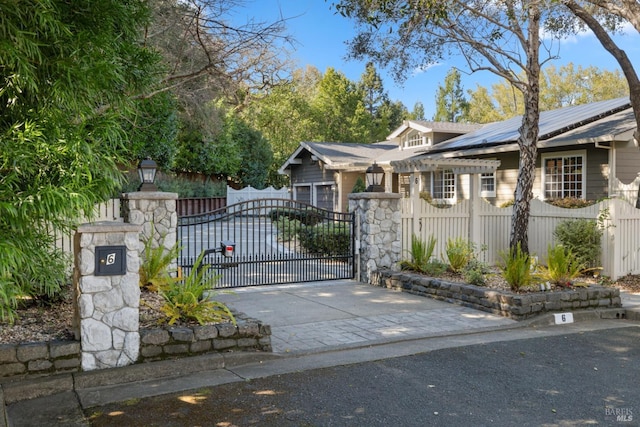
<point x="327" y="239"/>
<point x="459" y="252"/>
<point x="562" y="266"/>
<point x="570" y="203"/>
<point x="421" y="253"/>
<point x="154" y="269"/>
<point x="516" y="268"/>
<point x="176" y="184"/>
<point x="309" y="217"/>
<point x="359" y="186"/>
<point x="582" y="237"/>
<point x="475" y="272"/>
<point x="187" y="298"/>
<point x="288" y="228"/>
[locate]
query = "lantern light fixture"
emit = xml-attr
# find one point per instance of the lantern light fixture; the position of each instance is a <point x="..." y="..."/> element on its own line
<point x="374" y="175"/>
<point x="147" y="173"/>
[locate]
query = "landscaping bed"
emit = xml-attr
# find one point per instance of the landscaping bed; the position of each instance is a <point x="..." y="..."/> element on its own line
<point x="494" y="299"/>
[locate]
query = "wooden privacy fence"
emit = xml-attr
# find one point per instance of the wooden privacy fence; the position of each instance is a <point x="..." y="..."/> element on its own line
<point x="489" y="227"/>
<point x="107" y="211"/>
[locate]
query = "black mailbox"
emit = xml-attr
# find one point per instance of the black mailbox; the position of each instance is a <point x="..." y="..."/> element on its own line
<point x="227" y="248"/>
<point x="111" y="260"/>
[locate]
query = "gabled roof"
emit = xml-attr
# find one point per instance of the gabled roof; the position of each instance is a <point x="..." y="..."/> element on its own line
<point x="560" y="126"/>
<point x="340" y="155"/>
<point x="436" y="127"/>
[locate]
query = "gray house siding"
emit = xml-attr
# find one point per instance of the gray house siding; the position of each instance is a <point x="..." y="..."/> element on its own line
<point x="627" y="162"/>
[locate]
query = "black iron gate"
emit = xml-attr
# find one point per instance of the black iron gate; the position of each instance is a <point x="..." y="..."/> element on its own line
<point x="276" y="241"/>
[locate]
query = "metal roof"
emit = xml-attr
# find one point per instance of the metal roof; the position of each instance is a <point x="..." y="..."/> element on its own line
<point x="552" y="124"/>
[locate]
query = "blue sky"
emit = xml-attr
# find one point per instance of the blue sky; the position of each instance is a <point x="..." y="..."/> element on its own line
<point x="321" y="35"/>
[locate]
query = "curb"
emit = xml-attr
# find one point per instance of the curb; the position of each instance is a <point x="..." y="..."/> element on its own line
<point x="87" y="385"/>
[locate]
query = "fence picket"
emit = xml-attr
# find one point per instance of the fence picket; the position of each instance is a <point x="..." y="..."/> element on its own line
<point x="620" y="254"/>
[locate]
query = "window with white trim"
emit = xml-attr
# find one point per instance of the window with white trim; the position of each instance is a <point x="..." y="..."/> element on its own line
<point x="443" y="186"/>
<point x="488" y="184"/>
<point x="415" y="139"/>
<point x="563" y="175"/>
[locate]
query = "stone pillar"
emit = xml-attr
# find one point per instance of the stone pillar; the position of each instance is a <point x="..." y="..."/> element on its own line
<point x="107" y="294"/>
<point x="155" y="211"/>
<point x="378" y="220"/>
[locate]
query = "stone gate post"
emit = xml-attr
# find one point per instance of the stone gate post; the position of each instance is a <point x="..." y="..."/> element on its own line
<point x="156" y="212"/>
<point x="107" y="294"/>
<point x="378" y="222"/>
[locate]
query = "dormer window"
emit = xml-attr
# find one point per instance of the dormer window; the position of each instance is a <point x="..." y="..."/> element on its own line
<point x="415" y="139"/>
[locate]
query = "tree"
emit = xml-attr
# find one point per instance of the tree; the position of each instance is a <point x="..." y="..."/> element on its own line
<point x="481" y="106"/>
<point x="559" y="87"/>
<point x="588" y="12"/>
<point x="67" y="75"/>
<point x="371" y="85"/>
<point x="418" y="112"/>
<point x="451" y="104"/>
<point x="498" y="36"/>
<point x="340" y="111"/>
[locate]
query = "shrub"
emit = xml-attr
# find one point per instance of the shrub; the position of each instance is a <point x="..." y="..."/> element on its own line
<point x="359" y="186"/>
<point x="562" y="266"/>
<point x="326" y="239"/>
<point x="582" y="237"/>
<point x="154" y="269"/>
<point x="459" y="252"/>
<point x="185" y="299"/>
<point x="516" y="268"/>
<point x="421" y="253"/>
<point x="474" y="272"/>
<point x="570" y="203"/>
<point x="307" y="216"/>
<point x="288" y="228"/>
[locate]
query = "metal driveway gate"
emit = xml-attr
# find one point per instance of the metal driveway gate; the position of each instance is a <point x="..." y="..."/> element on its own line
<point x="276" y="241"/>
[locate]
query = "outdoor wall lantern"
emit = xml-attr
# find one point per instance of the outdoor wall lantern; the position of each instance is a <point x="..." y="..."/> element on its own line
<point x="147" y="173"/>
<point x="374" y="179"/>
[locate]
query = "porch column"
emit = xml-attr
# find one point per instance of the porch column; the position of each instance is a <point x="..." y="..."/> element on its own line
<point x="378" y="228"/>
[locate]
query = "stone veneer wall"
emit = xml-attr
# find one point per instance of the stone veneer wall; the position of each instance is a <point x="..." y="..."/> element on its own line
<point x="106" y="308"/>
<point x="156" y="212"/>
<point x="379" y="220"/>
<point x="508" y="304"/>
<point x="55" y="357"/>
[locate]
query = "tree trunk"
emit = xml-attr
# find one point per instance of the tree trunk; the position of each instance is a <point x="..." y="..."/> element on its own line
<point x="528" y="139"/>
<point x="619" y="55"/>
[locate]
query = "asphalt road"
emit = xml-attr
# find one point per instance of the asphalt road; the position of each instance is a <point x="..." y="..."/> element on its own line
<point x="589" y="378"/>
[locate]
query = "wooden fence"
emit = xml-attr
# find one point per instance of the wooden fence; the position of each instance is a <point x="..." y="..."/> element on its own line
<point x="107" y="211"/>
<point x="489" y="227"/>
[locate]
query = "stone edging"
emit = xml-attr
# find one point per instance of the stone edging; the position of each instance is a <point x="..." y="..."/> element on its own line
<point x="504" y="303"/>
<point x="55" y="357"/>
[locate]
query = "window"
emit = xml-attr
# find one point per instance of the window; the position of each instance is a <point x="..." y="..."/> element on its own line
<point x="563" y="176"/>
<point x="302" y="193"/>
<point x="443" y="185"/>
<point x="324" y="196"/>
<point x="488" y="184"/>
<point x="415" y="139"/>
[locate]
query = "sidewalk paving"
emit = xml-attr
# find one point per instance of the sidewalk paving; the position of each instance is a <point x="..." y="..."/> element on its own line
<point x="323" y="316"/>
<point x="314" y="325"/>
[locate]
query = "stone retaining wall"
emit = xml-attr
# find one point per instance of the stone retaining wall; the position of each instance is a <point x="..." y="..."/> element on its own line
<point x="506" y="303"/>
<point x="55" y="357"/>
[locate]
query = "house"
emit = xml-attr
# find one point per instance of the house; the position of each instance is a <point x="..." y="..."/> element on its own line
<point x="324" y="173"/>
<point x="584" y="152"/>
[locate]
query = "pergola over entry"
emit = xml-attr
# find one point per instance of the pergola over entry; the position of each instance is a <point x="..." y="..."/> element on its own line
<point x="418" y="166"/>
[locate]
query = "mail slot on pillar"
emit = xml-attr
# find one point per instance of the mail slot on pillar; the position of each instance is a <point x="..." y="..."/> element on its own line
<point x="227" y="248"/>
<point x="111" y="260"/>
